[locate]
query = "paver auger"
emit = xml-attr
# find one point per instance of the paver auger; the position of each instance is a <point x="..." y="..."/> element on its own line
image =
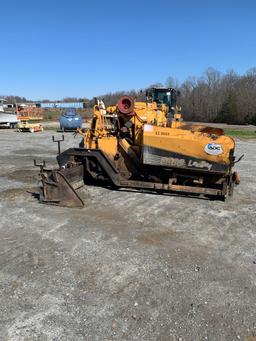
<point x="144" y="145"/>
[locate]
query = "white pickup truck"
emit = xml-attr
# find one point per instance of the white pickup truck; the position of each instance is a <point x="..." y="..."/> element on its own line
<point x="8" y="119"/>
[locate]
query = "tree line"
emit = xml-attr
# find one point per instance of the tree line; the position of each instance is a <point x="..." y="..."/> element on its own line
<point x="224" y="98"/>
<point x="211" y="97"/>
<point x="14" y="99"/>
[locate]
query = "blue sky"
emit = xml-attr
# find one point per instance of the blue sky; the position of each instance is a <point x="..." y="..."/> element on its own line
<point x="53" y="49"/>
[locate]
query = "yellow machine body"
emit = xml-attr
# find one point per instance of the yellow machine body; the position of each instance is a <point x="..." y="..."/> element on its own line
<point x="145" y="145"/>
<point x="176" y="145"/>
<point x="161" y="143"/>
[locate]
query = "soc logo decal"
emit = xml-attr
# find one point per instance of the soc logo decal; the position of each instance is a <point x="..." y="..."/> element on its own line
<point x="213" y="149"/>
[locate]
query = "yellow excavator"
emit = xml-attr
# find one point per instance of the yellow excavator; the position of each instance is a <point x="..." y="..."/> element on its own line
<point x="143" y="145"/>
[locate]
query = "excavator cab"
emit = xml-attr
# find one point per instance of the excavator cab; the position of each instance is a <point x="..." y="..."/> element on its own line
<point x="167" y="96"/>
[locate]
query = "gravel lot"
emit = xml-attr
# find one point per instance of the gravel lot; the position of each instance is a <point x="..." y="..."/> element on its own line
<point x="128" y="266"/>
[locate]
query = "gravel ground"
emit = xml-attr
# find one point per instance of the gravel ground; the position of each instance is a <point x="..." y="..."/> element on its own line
<point x="128" y="266"/>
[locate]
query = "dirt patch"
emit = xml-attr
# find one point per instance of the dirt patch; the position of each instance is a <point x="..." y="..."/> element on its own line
<point x="28" y="151"/>
<point x="27" y="176"/>
<point x="14" y="194"/>
<point x="156" y="238"/>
